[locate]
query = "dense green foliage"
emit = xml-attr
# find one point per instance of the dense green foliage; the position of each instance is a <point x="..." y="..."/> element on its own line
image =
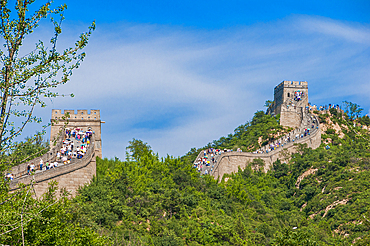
<point x="45" y="221"/>
<point x="262" y="126"/>
<point x="163" y="201"/>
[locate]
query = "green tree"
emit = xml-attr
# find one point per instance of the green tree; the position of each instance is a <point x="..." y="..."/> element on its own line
<point x="28" y="149"/>
<point x="269" y="104"/>
<point x="280" y="169"/>
<point x="365" y="120"/>
<point x="138" y="149"/>
<point x="293" y="238"/>
<point x="353" y="110"/>
<point x="366" y="239"/>
<point x="27" y="78"/>
<point x="46" y="221"/>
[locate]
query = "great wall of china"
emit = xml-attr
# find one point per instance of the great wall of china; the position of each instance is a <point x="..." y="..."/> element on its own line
<point x="295" y="114"/>
<point x="230" y="162"/>
<point x="78" y="172"/>
<point x="74" y="174"/>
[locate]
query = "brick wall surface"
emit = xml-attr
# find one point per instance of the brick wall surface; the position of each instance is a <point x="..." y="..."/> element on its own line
<point x="290" y="118"/>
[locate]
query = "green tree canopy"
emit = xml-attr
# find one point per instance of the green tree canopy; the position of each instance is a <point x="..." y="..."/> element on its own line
<point x="353" y="110"/>
<point x="27" y="79"/>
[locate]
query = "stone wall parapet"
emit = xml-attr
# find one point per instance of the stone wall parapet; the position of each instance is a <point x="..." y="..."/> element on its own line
<point x="313" y="140"/>
<point x="21" y="169"/>
<point x="57" y="171"/>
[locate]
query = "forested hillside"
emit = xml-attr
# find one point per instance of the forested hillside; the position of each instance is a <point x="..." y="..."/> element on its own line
<point x="315" y="197"/>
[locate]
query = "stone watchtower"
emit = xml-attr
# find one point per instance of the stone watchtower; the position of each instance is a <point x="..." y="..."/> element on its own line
<point x="290" y="101"/>
<point x="82" y="120"/>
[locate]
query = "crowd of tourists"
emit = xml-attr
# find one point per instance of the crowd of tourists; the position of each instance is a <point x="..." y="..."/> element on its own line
<point x="69" y="151"/>
<point x="298" y="95"/>
<point x="290" y="137"/>
<point x="206" y="161"/>
<point x="283" y="141"/>
<point x="325" y="107"/>
<point x="31" y="167"/>
<point x="75" y="145"/>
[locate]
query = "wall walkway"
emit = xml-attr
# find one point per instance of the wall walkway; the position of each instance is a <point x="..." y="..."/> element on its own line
<point x="229" y="162"/>
<point x="69" y="176"/>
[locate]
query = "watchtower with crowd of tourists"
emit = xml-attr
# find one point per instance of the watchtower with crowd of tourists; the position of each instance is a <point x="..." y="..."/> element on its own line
<point x="83" y="120"/>
<point x="70" y="173"/>
<point x="290" y="101"/>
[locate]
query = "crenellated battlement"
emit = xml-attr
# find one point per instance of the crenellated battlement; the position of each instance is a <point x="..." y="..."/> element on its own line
<point x="82" y="114"/>
<point x="288" y="83"/>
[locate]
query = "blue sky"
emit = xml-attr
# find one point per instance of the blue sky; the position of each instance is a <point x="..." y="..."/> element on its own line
<point x="213" y="14"/>
<point x="179" y="74"/>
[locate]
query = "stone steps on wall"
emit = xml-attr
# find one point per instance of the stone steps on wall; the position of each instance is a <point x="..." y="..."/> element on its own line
<point x="60" y="170"/>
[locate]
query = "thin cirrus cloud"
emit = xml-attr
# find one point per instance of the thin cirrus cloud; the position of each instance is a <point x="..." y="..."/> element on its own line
<point x="178" y="88"/>
<point x="357" y="34"/>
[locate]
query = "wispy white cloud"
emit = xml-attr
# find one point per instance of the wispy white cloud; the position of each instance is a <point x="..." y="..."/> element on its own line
<point x="179" y="88"/>
<point x="350" y="32"/>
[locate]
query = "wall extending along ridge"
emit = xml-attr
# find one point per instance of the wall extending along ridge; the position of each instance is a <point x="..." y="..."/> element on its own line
<point x="294" y="114"/>
<point x="229" y="162"/>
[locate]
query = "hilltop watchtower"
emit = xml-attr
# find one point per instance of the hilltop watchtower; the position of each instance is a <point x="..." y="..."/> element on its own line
<point x="290" y="100"/>
<point x="82" y="120"/>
